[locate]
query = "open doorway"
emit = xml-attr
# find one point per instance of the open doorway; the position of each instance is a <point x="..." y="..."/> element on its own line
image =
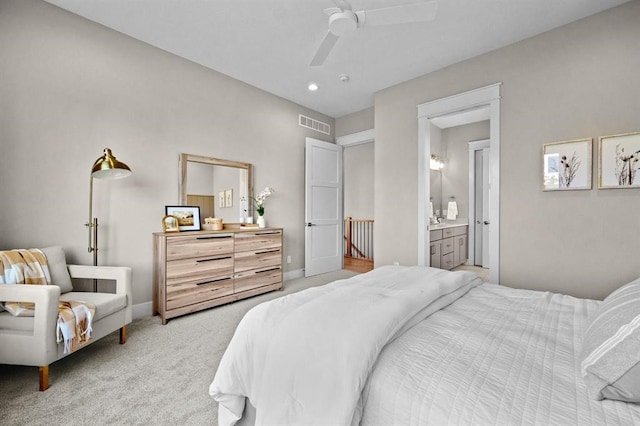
<point x="482" y="100"/>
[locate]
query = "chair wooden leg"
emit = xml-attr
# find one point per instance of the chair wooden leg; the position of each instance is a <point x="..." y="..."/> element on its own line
<point x="44" y="378"/>
<point x="123" y="335"/>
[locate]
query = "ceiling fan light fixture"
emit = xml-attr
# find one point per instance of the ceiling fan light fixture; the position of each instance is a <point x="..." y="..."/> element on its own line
<point x="341" y="23"/>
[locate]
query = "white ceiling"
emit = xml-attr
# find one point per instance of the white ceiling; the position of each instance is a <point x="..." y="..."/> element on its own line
<point x="269" y="43"/>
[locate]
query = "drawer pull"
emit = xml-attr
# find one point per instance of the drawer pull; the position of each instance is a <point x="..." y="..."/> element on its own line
<point x="212" y="237"/>
<point x="267" y="270"/>
<point x="213" y="281"/>
<point x="268" y="251"/>
<point x="268" y="233"/>
<point x="211" y="260"/>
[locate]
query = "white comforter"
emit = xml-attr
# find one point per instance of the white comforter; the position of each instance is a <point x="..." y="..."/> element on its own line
<point x="305" y="358"/>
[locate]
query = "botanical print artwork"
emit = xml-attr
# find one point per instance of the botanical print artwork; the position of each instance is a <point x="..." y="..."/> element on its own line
<point x="620" y="161"/>
<point x="567" y="165"/>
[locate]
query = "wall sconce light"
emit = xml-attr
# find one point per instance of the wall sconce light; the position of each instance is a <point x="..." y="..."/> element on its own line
<point x="436" y="163"/>
<point x="105" y="167"/>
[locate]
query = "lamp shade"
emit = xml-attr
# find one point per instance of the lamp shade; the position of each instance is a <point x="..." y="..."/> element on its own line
<point x="108" y="167"/>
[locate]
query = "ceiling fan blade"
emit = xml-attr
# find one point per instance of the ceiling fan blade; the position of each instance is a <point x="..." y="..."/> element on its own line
<point x="323" y="51"/>
<point x="416" y="12"/>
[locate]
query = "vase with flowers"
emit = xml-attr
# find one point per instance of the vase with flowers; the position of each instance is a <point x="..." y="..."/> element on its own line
<point x="258" y="201"/>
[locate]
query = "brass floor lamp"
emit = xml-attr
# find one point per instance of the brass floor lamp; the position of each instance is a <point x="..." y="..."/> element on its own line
<point x="105" y="167"/>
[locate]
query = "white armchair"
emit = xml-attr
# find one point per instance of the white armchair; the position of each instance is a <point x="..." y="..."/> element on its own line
<point x="32" y="340"/>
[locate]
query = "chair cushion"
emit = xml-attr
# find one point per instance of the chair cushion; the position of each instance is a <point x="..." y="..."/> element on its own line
<point x="57" y="263"/>
<point x="106" y="303"/>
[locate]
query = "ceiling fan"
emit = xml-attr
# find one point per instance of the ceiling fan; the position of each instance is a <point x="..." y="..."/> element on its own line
<point x="342" y="20"/>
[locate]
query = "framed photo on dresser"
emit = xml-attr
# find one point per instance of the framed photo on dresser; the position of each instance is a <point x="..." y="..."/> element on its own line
<point x="188" y="216"/>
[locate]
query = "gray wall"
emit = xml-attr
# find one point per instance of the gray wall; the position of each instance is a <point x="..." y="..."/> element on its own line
<point x="358" y="166"/>
<point x="455" y="174"/>
<point x="70" y="87"/>
<point x="580" y="80"/>
<point x="355" y="122"/>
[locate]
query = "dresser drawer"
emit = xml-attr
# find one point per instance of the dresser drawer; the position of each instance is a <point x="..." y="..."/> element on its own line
<point x="199" y="269"/>
<point x="203" y="245"/>
<point x="247" y="260"/>
<point x="257" y="241"/>
<point x="447" y="245"/>
<point x="184" y="294"/>
<point x="257" y="278"/>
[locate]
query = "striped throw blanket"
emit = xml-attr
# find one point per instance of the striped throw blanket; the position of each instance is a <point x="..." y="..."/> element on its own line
<point x="30" y="267"/>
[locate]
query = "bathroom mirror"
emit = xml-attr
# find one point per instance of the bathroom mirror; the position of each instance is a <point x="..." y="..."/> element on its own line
<point x="221" y="188"/>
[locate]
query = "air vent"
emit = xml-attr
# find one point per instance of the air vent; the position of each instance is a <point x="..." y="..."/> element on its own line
<point x="316" y="125"/>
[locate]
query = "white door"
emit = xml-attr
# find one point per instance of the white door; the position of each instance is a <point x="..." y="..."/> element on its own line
<point x="486" y="206"/>
<point x="481" y="184"/>
<point x="323" y="207"/>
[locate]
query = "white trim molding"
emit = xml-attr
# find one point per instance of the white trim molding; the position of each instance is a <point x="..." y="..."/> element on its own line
<point x="358" y="138"/>
<point x="489" y="97"/>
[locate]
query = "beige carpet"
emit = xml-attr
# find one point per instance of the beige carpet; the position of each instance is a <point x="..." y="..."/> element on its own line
<point x="160" y="377"/>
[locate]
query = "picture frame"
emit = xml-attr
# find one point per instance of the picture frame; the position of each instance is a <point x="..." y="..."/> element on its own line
<point x="188" y="216"/>
<point x="228" y="197"/>
<point x="619" y="161"/>
<point x="221" y="200"/>
<point x="566" y="165"/>
<point x="170" y="224"/>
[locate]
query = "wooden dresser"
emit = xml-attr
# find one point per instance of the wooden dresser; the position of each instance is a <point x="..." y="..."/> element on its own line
<point x="198" y="270"/>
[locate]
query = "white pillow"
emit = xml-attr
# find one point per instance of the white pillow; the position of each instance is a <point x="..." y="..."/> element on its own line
<point x="57" y="263"/>
<point x="611" y="347"/>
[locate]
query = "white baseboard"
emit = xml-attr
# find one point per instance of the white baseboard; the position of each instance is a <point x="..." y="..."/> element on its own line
<point x="145" y="309"/>
<point x="142" y="310"/>
<point x="291" y="275"/>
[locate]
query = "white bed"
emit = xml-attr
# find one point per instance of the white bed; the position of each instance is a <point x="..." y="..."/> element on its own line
<point x="456" y="352"/>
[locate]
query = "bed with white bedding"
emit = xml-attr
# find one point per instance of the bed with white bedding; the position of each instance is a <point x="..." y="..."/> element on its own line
<point x="419" y="346"/>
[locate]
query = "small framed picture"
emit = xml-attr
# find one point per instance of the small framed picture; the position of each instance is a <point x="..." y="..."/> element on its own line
<point x="188" y="216"/>
<point x="170" y="224"/>
<point x="228" y="197"/>
<point x="567" y="165"/>
<point x="221" y="200"/>
<point x="619" y="162"/>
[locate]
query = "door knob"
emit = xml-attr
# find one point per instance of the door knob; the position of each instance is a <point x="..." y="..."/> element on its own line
<point x="310" y="224"/>
<point x="486" y="222"/>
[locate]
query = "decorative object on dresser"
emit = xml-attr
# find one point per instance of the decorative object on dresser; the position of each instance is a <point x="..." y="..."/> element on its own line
<point x="212" y="224"/>
<point x="203" y="269"/>
<point x="105" y="167"/>
<point x="259" y="204"/>
<point x="619" y="161"/>
<point x="448" y="247"/>
<point x="170" y="224"/>
<point x="188" y="216"/>
<point x="567" y="165"/>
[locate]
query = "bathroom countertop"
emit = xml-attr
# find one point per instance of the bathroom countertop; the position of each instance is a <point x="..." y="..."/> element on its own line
<point x="449" y="224"/>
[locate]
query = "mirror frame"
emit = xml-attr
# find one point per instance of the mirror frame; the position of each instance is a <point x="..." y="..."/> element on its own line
<point x="185" y="158"/>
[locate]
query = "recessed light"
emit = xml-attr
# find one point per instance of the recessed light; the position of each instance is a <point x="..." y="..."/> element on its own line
<point x="312" y="87"/>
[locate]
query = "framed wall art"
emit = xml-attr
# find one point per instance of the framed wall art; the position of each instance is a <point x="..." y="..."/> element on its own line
<point x="619" y="165"/>
<point x="228" y="196"/>
<point x="188" y="216"/>
<point x="566" y="165"/>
